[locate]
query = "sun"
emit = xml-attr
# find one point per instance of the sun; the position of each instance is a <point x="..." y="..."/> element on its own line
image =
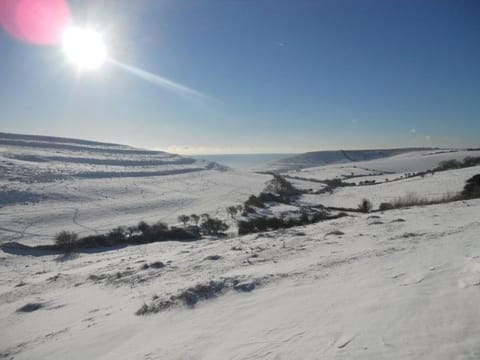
<point x="84" y="48"/>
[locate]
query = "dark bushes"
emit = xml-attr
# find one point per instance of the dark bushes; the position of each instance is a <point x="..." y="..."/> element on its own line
<point x="277" y="190"/>
<point x="281" y="187"/>
<point x="455" y="164"/>
<point x="385" y="206"/>
<point x="253" y="201"/>
<point x="332" y="184"/>
<point x="141" y="234"/>
<point x="94" y="241"/>
<point x="471" y="161"/>
<point x="262" y="224"/>
<point x="472" y="187"/>
<point x="213" y="226"/>
<point x="448" y="165"/>
<point x="65" y="240"/>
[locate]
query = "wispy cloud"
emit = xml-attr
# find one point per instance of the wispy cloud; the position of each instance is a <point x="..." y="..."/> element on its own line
<point x="413" y="131"/>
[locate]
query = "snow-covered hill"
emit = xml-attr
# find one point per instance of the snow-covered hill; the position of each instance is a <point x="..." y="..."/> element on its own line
<point x="34" y="159"/>
<point x="322" y="158"/>
<point x="50" y="184"/>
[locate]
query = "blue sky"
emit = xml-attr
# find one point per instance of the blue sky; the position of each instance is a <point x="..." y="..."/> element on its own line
<point x="276" y="75"/>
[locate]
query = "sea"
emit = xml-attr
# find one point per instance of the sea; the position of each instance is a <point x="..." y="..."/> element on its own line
<point x="242" y="161"/>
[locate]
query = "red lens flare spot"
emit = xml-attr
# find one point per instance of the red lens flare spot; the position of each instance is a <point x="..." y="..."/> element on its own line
<point x="40" y="22"/>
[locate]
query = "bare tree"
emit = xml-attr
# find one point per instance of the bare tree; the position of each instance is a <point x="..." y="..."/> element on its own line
<point x="184" y="219"/>
<point x="232" y="211"/>
<point x="195" y="218"/>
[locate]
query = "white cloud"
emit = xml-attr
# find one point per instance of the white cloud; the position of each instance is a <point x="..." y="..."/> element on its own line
<point x="413" y="131"/>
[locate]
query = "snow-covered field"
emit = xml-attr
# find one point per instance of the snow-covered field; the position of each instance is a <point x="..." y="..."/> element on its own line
<point x="431" y="187"/>
<point x="390" y="179"/>
<point x="401" y="284"/>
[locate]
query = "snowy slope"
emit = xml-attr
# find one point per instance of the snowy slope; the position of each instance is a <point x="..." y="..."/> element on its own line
<point x="384" y="289"/>
<point x="322" y="158"/>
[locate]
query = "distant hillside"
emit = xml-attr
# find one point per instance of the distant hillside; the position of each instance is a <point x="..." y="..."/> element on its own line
<point x="318" y="158"/>
<point x="33" y="158"/>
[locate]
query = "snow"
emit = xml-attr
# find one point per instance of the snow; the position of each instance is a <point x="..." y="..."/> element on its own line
<point x="399" y="284"/>
<point x="392" y="290"/>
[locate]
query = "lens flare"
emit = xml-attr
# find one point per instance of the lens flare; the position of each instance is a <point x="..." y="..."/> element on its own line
<point x="39" y="22"/>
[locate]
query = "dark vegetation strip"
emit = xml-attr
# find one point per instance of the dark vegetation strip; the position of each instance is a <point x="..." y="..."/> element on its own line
<point x="262" y="224"/>
<point x="143" y="233"/>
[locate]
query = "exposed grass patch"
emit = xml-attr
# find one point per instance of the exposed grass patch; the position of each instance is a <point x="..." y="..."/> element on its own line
<point x="30" y="307"/>
<point x="213" y="257"/>
<point x="193" y="295"/>
<point x="335" y="232"/>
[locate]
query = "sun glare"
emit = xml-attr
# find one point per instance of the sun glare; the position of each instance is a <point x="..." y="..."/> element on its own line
<point x="84" y="48"/>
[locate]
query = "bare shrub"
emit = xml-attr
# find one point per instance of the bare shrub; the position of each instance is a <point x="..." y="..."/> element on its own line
<point x="184" y="219"/>
<point x="365" y="206"/>
<point x="232" y="211"/>
<point x="195" y="218"/>
<point x="411" y="199"/>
